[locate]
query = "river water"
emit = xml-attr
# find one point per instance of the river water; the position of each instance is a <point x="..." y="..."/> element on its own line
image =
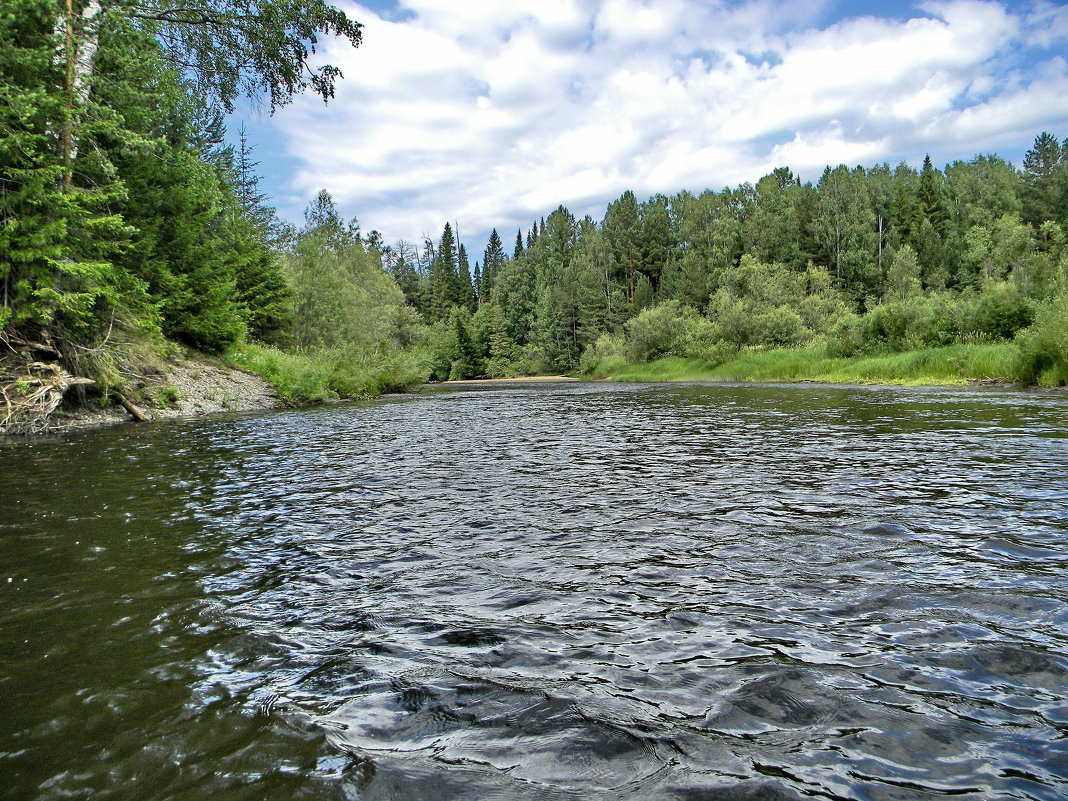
<point x="572" y="591"/>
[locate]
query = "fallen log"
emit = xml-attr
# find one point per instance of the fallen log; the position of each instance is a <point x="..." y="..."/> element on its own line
<point x="135" y="413"/>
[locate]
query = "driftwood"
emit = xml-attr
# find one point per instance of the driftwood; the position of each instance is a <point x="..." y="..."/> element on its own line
<point x="31" y="392"/>
<point x="33" y="381"/>
<point x="135" y="413"/>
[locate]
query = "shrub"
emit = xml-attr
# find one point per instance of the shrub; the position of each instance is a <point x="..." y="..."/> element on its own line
<point x="606" y="350"/>
<point x="166" y="397"/>
<point x="1001" y="311"/>
<point x="781" y="326"/>
<point x="1043" y="347"/>
<point x="848" y="337"/>
<point x="657" y="331"/>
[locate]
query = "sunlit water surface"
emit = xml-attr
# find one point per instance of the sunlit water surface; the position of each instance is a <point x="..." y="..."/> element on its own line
<point x="545" y="592"/>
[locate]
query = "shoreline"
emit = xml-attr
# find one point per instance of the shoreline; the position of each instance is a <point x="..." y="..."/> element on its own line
<point x="211" y="388"/>
<point x="531" y="379"/>
<point x="192" y="387"/>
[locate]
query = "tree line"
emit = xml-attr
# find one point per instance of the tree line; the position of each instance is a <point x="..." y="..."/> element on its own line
<point x="126" y="218"/>
<point x="866" y="258"/>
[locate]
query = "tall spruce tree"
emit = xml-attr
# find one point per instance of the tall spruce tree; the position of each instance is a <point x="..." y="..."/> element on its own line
<point x="1044" y="178"/>
<point x="445" y="291"/>
<point x="492" y="261"/>
<point x="466" y="295"/>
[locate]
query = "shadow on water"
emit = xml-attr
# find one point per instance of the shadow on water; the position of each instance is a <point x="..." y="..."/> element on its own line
<point x="545" y="592"/>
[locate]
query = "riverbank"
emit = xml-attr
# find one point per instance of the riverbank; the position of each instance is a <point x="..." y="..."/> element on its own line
<point x="260" y="379"/>
<point x="186" y="386"/>
<point x="946" y="366"/>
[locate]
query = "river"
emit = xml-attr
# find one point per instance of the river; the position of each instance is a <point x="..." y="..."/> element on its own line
<point x="572" y="591"/>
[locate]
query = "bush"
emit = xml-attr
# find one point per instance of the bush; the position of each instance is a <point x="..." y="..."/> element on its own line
<point x="781" y="326"/>
<point x="848" y="337"/>
<point x="1043" y="347"/>
<point x="166" y="397"/>
<point x="530" y="361"/>
<point x="1001" y="311"/>
<point x="657" y="331"/>
<point x="700" y="340"/>
<point x="930" y="321"/>
<point x="608" y="349"/>
<point x="318" y="375"/>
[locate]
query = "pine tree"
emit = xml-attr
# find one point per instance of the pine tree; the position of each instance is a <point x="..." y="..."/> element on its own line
<point x="518" y="251"/>
<point x="444" y="280"/>
<point x="1044" y="167"/>
<point x="60" y="231"/>
<point x="466" y="363"/>
<point x="492" y="261"/>
<point x="465" y="288"/>
<point x="622" y="231"/>
<point x="656" y="238"/>
<point x="929" y="196"/>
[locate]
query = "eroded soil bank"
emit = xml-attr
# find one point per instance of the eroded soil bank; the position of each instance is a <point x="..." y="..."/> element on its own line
<point x="188" y="386"/>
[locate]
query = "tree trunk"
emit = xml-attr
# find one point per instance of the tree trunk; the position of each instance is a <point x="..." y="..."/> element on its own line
<point x="79" y="49"/>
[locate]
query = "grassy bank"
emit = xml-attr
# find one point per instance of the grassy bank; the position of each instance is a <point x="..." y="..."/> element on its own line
<point x="329" y="374"/>
<point x="954" y="364"/>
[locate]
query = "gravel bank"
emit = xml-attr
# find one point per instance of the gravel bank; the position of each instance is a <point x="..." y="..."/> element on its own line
<point x="189" y="388"/>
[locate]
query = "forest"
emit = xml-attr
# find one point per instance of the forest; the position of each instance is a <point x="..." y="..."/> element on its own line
<point x="868" y="260"/>
<point x="130" y="230"/>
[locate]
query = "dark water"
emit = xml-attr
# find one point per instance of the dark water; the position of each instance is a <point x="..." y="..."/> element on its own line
<point x="549" y="592"/>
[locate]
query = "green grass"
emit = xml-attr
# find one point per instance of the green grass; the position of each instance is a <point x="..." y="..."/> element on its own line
<point x="316" y="376"/>
<point x="954" y="364"/>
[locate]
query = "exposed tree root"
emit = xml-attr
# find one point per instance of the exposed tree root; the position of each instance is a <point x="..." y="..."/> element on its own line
<point x="31" y="389"/>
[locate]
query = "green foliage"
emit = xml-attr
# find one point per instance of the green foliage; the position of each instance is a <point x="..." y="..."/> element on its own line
<point x="146" y="222"/>
<point x="166" y="397"/>
<point x="937" y="319"/>
<point x="59" y="232"/>
<point x="1045" y="180"/>
<point x="466" y="364"/>
<point x="341" y="295"/>
<point x="1043" y="347"/>
<point x="903" y="277"/>
<point x="954" y="364"/>
<point x="331" y="373"/>
<point x="247" y="48"/>
<point x="658" y="331"/>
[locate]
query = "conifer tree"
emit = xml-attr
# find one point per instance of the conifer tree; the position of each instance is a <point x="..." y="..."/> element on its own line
<point x="444" y="280"/>
<point x="929" y="195"/>
<point x="465" y="288"/>
<point x="492" y="261"/>
<point x="60" y="233"/>
<point x="622" y="230"/>
<point x="465" y="365"/>
<point x="1045" y="165"/>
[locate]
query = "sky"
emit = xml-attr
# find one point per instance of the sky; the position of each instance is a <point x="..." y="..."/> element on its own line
<point x="491" y="113"/>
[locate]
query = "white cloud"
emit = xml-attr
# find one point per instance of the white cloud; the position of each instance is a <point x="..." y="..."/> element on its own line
<point x="491" y="113"/>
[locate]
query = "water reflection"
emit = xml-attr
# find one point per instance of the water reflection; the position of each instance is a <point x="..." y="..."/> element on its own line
<point x="579" y="591"/>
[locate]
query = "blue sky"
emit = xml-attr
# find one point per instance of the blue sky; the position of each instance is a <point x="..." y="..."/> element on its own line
<point x="490" y="113"/>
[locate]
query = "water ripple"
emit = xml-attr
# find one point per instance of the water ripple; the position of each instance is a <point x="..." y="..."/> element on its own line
<point x="602" y="591"/>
